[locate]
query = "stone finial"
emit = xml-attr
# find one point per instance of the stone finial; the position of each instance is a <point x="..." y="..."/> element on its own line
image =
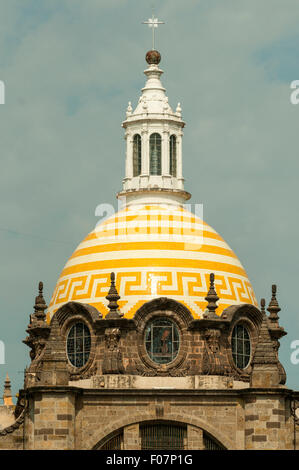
<point x="212" y="298"/>
<point x="265" y="372"/>
<point x="264" y="352"/>
<point x="273" y="307"/>
<point x="129" y="109"/>
<point x="178" y="110"/>
<point x="40" y="305"/>
<point x="113" y="297"/>
<point x="263" y="304"/>
<point x="38" y="329"/>
<point x="7" y="395"/>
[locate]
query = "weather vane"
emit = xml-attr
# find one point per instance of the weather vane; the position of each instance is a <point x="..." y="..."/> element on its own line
<point x="153" y="23"/>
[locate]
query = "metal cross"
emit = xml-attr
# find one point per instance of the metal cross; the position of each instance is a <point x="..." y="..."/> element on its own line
<point x="153" y="23"/>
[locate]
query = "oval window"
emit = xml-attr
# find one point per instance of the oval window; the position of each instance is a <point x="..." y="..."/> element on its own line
<point x="162" y="340"/>
<point x="241" y="347"/>
<point x="78" y="344"/>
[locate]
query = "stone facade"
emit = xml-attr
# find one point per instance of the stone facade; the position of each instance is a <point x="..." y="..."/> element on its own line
<point x="120" y="389"/>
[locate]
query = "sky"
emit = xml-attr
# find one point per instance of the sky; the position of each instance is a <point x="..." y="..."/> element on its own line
<point x="70" y="68"/>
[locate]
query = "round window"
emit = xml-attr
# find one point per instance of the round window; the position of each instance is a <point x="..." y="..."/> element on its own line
<point x="241" y="346"/>
<point x="78" y="344"/>
<point x="162" y="340"/>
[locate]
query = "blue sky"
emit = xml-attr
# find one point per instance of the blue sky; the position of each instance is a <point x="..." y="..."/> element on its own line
<point x="70" y="68"/>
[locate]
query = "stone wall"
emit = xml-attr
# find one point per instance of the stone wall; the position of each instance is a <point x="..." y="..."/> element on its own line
<point x="50" y="422"/>
<point x="73" y="418"/>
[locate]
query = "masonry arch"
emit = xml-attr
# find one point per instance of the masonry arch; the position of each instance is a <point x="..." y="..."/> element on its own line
<point x="102" y="436"/>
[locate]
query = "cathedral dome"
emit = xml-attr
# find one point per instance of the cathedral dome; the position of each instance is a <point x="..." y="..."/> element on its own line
<point x="158" y="250"/>
<point x="155" y="246"/>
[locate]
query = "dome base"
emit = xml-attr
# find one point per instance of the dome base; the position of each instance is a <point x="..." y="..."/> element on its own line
<point x="154" y="196"/>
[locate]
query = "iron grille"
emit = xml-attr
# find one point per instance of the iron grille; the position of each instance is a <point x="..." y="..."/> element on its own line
<point x="136" y="155"/>
<point x="115" y="443"/>
<point x="163" y="437"/>
<point x="210" y="444"/>
<point x="155" y="154"/>
<point x="78" y="344"/>
<point x="241" y="346"/>
<point x="162" y="340"/>
<point x="172" y="155"/>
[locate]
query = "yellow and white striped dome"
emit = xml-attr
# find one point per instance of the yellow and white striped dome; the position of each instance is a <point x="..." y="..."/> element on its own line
<point x="155" y="251"/>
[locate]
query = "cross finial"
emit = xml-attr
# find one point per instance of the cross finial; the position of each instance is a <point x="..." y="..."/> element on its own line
<point x="153" y="23"/>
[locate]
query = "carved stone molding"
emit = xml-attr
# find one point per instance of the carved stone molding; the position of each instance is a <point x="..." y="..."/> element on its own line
<point x="112" y="361"/>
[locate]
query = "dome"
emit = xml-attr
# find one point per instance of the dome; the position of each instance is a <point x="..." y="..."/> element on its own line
<point x="155" y="251"/>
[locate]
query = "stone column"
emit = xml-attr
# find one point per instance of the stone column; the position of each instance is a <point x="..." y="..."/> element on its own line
<point x="144" y="159"/>
<point x="194" y="438"/>
<point x="54" y="421"/>
<point x="180" y="161"/>
<point x="144" y="152"/>
<point x="131" y="437"/>
<point x="129" y="156"/>
<point x="265" y="422"/>
<point x="165" y="153"/>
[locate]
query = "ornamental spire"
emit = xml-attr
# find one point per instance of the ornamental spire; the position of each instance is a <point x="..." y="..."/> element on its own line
<point x="40" y="305"/>
<point x="7" y="395"/>
<point x="212" y="298"/>
<point x="263" y="303"/>
<point x="113" y="297"/>
<point x="273" y="307"/>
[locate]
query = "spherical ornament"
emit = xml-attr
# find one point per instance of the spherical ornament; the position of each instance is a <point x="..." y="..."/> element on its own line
<point x="153" y="57"/>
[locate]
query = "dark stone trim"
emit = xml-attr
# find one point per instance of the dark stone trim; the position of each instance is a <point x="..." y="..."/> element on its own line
<point x="76" y="308"/>
<point x="259" y="438"/>
<point x="163" y="303"/>
<point x="203" y="323"/>
<point x="123" y="323"/>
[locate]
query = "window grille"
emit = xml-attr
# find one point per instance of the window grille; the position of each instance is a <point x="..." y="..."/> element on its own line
<point x="162" y="436"/>
<point x="162" y="340"/>
<point x="210" y="444"/>
<point x="241" y="348"/>
<point x="115" y="443"/>
<point x="155" y="154"/>
<point x="136" y="155"/>
<point x="78" y="344"/>
<point x="172" y="155"/>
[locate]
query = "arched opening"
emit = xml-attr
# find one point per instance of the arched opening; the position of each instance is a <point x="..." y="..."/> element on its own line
<point x="241" y="346"/>
<point x="155" y="154"/>
<point x="114" y="441"/>
<point x="78" y="344"/>
<point x="210" y="443"/>
<point x="159" y="435"/>
<point x="136" y="155"/>
<point x="172" y="156"/>
<point x="163" y="436"/>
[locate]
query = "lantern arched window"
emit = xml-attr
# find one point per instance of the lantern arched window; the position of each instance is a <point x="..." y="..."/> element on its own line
<point x="155" y="154"/>
<point x="136" y="155"/>
<point x="172" y="155"/>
